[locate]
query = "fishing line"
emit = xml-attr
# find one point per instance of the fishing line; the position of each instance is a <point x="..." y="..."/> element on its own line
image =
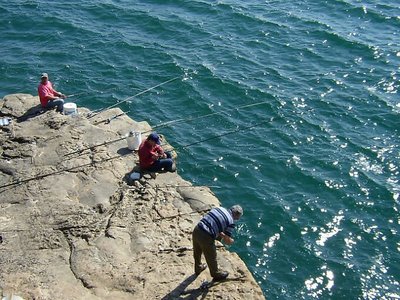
<point x="108" y="120"/>
<point x="189" y="119"/>
<point x="77" y="94"/>
<point x="165" y="124"/>
<point x="225" y="134"/>
<point x="95" y="113"/>
<point x="98" y="145"/>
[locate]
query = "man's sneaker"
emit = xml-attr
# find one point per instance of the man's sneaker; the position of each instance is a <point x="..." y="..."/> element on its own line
<point x="201" y="268"/>
<point x="220" y="276"/>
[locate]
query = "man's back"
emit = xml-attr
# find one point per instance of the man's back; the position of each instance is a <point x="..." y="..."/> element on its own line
<point x="217" y="220"/>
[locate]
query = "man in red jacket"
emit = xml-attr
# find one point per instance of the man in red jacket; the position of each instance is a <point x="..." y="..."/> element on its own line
<point x="152" y="157"/>
<point x="49" y="97"/>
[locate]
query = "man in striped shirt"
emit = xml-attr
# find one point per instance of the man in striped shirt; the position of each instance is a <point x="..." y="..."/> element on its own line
<point x="217" y="224"/>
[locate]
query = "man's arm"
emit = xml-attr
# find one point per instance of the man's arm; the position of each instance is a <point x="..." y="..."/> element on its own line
<point x="58" y="94"/>
<point x="160" y="152"/>
<point x="49" y="93"/>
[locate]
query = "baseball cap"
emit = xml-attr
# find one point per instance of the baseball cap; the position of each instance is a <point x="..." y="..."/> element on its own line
<point x="154" y="137"/>
<point x="45" y="75"/>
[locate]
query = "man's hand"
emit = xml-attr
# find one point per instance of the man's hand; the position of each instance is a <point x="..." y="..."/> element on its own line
<point x="226" y="239"/>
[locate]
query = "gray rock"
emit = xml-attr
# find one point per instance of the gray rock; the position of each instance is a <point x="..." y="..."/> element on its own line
<point x="72" y="228"/>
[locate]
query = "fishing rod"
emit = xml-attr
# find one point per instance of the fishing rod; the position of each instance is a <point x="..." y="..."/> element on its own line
<point x="95" y="113"/>
<point x="17" y="182"/>
<point x="108" y="120"/>
<point x="178" y="186"/>
<point x="169" y="123"/>
<point x="118" y="156"/>
<point x="57" y="172"/>
<point x="182" y="214"/>
<point x="98" y="145"/>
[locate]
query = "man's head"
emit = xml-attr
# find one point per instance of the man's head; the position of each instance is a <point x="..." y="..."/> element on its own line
<point x="154" y="138"/>
<point x="44" y="77"/>
<point x="237" y="212"/>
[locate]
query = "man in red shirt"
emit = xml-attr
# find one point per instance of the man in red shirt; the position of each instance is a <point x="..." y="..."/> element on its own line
<point x="152" y="157"/>
<point x="49" y="97"/>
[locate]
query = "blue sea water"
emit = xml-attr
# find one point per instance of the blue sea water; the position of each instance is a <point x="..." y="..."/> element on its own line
<point x="318" y="171"/>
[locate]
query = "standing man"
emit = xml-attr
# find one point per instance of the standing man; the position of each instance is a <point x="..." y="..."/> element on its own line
<point x="49" y="97"/>
<point x="152" y="157"/>
<point x="217" y="224"/>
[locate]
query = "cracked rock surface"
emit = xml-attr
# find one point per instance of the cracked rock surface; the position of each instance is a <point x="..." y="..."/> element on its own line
<point x="71" y="227"/>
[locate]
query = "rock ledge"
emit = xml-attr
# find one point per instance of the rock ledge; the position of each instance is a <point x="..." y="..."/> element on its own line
<point x="71" y="227"/>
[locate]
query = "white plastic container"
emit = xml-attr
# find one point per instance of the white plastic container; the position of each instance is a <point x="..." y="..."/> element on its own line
<point x="134" y="139"/>
<point x="5" y="121"/>
<point x="70" y="108"/>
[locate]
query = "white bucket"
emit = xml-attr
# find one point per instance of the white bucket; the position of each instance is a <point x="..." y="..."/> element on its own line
<point x="69" y="108"/>
<point x="134" y="140"/>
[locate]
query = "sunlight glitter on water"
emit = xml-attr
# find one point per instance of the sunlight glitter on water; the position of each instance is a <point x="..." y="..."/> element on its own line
<point x="348" y="252"/>
<point x="374" y="285"/>
<point x="332" y="229"/>
<point x="270" y="243"/>
<point x="316" y="286"/>
<point x="332" y="85"/>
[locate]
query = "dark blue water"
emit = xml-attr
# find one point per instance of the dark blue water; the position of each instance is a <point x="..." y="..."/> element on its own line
<point x="317" y="175"/>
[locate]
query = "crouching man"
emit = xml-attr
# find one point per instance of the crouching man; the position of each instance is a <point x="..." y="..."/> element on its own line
<point x="152" y="157"/>
<point x="217" y="224"/>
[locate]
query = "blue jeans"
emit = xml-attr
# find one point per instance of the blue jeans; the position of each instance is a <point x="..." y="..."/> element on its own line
<point x="162" y="164"/>
<point x="56" y="102"/>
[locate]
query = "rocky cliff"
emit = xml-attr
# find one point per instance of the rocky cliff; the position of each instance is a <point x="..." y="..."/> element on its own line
<point x="73" y="227"/>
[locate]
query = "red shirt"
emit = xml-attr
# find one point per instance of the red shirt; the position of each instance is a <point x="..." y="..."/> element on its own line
<point x="45" y="90"/>
<point x="146" y="152"/>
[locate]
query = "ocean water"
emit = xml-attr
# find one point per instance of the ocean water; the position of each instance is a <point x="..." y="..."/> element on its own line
<point x="306" y="137"/>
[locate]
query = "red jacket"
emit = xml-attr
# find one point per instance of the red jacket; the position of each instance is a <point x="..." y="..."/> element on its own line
<point x="146" y="152"/>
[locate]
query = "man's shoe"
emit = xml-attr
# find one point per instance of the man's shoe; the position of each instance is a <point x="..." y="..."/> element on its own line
<point x="200" y="269"/>
<point x="220" y="276"/>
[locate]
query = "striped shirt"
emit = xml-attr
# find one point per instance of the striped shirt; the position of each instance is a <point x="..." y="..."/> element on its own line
<point x="217" y="220"/>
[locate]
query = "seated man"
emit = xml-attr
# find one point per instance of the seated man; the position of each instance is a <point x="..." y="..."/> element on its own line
<point x="152" y="157"/>
<point x="49" y="97"/>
